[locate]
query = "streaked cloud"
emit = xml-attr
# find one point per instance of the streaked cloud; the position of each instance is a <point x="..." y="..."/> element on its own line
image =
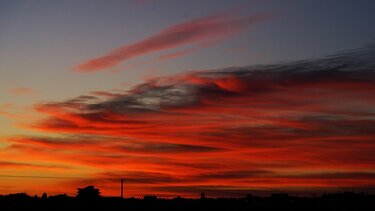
<point x="195" y="32"/>
<point x="6" y="165"/>
<point x="305" y="125"/>
<point x="177" y="54"/>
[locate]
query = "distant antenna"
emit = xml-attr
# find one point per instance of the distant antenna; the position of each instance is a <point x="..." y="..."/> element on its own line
<point x="122" y="188"/>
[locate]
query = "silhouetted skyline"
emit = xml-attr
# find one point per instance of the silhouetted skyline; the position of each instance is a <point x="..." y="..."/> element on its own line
<point x="89" y="198"/>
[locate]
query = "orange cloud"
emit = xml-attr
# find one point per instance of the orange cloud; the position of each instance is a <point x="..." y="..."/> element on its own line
<point x="305" y="126"/>
<point x="197" y="31"/>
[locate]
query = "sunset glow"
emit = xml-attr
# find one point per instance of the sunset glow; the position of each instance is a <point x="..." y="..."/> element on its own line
<point x="169" y="110"/>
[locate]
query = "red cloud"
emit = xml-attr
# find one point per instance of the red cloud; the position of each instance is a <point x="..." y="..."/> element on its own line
<point x="177" y="54"/>
<point x="196" y="31"/>
<point x="307" y="125"/>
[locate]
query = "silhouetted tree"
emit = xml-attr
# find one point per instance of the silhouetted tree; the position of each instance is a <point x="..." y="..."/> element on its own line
<point x="88" y="193"/>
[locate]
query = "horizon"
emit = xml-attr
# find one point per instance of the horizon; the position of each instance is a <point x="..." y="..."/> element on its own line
<point x="199" y="195"/>
<point x="89" y="198"/>
<point x="179" y="98"/>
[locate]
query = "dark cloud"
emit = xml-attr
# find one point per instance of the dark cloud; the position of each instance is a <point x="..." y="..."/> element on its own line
<point x="106" y="94"/>
<point x="346" y="71"/>
<point x="200" y="165"/>
<point x="7" y="165"/>
<point x="149" y="97"/>
<point x="110" y="144"/>
<point x="167" y="148"/>
<point x="14" y="164"/>
<point x="336" y="175"/>
<point x="238" y="174"/>
<point x="138" y="177"/>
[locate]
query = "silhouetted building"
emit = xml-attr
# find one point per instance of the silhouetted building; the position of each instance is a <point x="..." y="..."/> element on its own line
<point x="150" y="198"/>
<point x="88" y="193"/>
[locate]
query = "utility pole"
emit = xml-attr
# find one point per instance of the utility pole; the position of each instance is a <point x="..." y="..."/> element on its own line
<point x="122" y="188"/>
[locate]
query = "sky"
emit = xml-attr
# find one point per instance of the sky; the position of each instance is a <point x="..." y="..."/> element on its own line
<point x="183" y="97"/>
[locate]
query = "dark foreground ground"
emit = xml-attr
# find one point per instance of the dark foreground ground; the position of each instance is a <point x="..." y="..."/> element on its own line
<point x="338" y="201"/>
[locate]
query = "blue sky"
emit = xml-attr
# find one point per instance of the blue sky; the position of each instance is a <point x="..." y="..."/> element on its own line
<point x="43" y="40"/>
